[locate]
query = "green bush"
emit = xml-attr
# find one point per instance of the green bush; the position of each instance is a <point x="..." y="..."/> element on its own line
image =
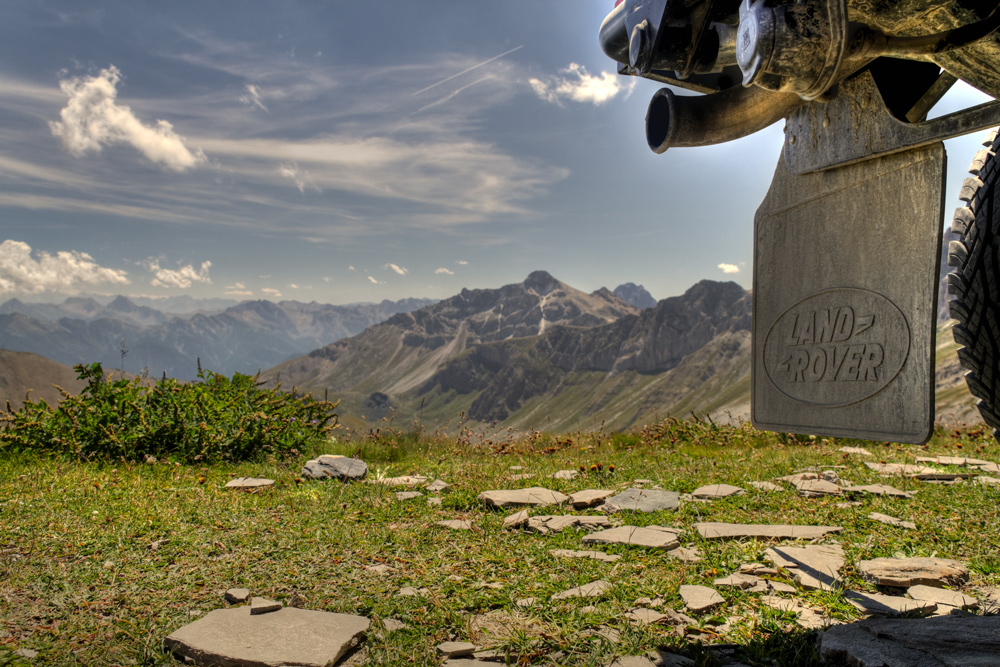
<point x="214" y="419"/>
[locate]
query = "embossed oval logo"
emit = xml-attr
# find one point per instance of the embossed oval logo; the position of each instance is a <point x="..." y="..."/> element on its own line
<point x="837" y="347"/>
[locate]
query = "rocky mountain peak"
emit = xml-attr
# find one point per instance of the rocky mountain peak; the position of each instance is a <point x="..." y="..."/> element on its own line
<point x="541" y="283"/>
<point x="637" y="295"/>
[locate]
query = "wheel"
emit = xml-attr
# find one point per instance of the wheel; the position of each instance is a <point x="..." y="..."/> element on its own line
<point x="975" y="282"/>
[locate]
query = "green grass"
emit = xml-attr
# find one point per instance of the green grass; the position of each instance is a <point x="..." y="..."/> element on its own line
<point x="80" y="583"/>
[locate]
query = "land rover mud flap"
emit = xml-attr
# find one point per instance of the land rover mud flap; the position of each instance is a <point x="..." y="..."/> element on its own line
<point x="844" y="298"/>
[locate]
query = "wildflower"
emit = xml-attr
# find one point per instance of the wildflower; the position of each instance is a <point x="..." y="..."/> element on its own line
<point x="611" y="467"/>
<point x="593" y="467"/>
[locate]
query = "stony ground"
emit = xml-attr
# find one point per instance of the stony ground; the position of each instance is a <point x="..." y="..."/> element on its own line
<point x="687" y="544"/>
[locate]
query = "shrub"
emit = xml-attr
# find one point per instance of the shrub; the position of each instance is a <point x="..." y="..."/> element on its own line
<point x="214" y="419"/>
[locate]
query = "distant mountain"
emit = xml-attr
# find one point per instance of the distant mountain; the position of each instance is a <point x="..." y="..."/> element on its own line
<point x="635" y="295"/>
<point x="245" y="337"/>
<point x="23" y="371"/>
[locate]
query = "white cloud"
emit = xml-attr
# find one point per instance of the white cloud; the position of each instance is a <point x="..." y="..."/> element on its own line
<point x="398" y="269"/>
<point x="271" y="292"/>
<point x="92" y="119"/>
<point x="301" y="177"/>
<point x="20" y="272"/>
<point x="447" y="272"/>
<point x="374" y="282"/>
<point x="238" y="289"/>
<point x="579" y="85"/>
<point x="462" y="262"/>
<point x="252" y="97"/>
<point x="729" y="268"/>
<point x="181" y="278"/>
<point x="292" y="286"/>
<point x="350" y="268"/>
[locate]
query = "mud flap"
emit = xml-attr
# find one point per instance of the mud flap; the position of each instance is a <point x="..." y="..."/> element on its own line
<point x="845" y="288"/>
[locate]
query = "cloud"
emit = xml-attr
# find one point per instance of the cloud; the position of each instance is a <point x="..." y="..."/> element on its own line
<point x="181" y="278"/>
<point x="462" y="262"/>
<point x="579" y="85"/>
<point x="729" y="268"/>
<point x="374" y="282"/>
<point x="252" y="97"/>
<point x="398" y="269"/>
<point x="238" y="289"/>
<point x="271" y="292"/>
<point x="67" y="269"/>
<point x="92" y="119"/>
<point x="301" y="177"/>
<point x="292" y="286"/>
<point x="447" y="272"/>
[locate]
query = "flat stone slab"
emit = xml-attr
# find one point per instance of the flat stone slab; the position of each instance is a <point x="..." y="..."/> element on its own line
<point x="557" y="523"/>
<point x="404" y="480"/>
<point x="237" y="595"/>
<point x="879" y="490"/>
<point x="940" y="476"/>
<point x="906" y="572"/>
<point x="855" y="450"/>
<point x="516" y="520"/>
<point x="765" y="486"/>
<point x="952" y="461"/>
<point x="712" y="491"/>
<point x="288" y="636"/>
<point x="686" y="554"/>
<point x="814" y="567"/>
<point x="700" y="599"/>
<point x="940" y="597"/>
<point x="534" y="496"/>
<point x="589" y="498"/>
<point x="818" y="487"/>
<point x="807" y="617"/>
<point x="250" y="483"/>
<point x="892" y="521"/>
<point x="438" y="486"/>
<point x="456" y="649"/>
<point x="642" y="537"/>
<point x="595" y="555"/>
<point x="738" y="580"/>
<point x="899" y="468"/>
<point x="455" y="524"/>
<point x="408" y="495"/>
<point x="263" y="606"/>
<point x="566" y="474"/>
<point x="592" y="590"/>
<point x="733" y="531"/>
<point x="338" y="467"/>
<point x="987" y="480"/>
<point x="973" y="641"/>
<point x="642" y="500"/>
<point x="876" y="604"/>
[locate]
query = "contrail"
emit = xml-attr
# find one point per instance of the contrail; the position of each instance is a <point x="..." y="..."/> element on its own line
<point x="452" y="94"/>
<point x="465" y="71"/>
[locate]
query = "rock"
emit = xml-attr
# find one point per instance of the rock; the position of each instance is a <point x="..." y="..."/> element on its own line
<point x="934" y="642"/>
<point x="632" y="660"/>
<point x="393" y="625"/>
<point x="812" y="488"/>
<point x="879" y="490"/>
<point x="642" y="500"/>
<point x="595" y="555"/>
<point x="338" y="467"/>
<point x="800" y="477"/>
<point x="456" y="649"/>
<point x="940" y="597"/>
<point x="987" y="480"/>
<point x="643" y="537"/>
<point x="516" y="468"/>
<point x="263" y="606"/>
<point x="237" y="595"/>
<point x="250" y="483"/>
<point x="408" y="495"/>
<point x="737" y="580"/>
<point x="855" y="450"/>
<point x="685" y="554"/>
<point x="892" y="521"/>
<point x="729" y="531"/>
<point x="286" y="637"/>
<point x="700" y="599"/>
<point x="378" y="569"/>
<point x="953" y="461"/>
<point x="156" y="545"/>
<point x="462" y="662"/>
<point x="297" y="600"/>
<point x="525" y="602"/>
<point x="664" y="659"/>
<point x="991" y="600"/>
<point x="713" y="491"/>
<point x="906" y="572"/>
<point x="516" y="520"/>
<point x="438" y="486"/>
<point x="589" y="498"/>
<point x="943" y="476"/>
<point x="27" y="653"/>
<point x="887" y="469"/>
<point x="757" y="569"/>
<point x="813" y="567"/>
<point x="534" y="496"/>
<point x="807" y="617"/>
<point x="765" y="486"/>
<point x="518" y="478"/>
<point x="592" y="590"/>
<point x="455" y="524"/>
<point x="405" y="480"/>
<point x="566" y="474"/>
<point x="876" y="604"/>
<point x="410" y="591"/>
<point x="434" y="501"/>
<point x="990" y="467"/>
<point x="556" y="524"/>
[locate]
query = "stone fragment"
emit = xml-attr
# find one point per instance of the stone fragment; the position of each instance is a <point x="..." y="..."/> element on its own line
<point x="595" y="555"/>
<point x="534" y="496"/>
<point x="525" y="602"/>
<point x="941" y="596"/>
<point x="813" y="567"/>
<point x="876" y="604"/>
<point x="991" y="600"/>
<point x="456" y="649"/>
<point x="906" y="572"/>
<point x="462" y="662"/>
<point x="952" y="461"/>
<point x="516" y="468"/>
<point x="286" y="637"/>
<point x="393" y="625"/>
<point x="765" y="486"/>
<point x="518" y="478"/>
<point x="237" y="595"/>
<point x="632" y="660"/>
<point x="887" y="469"/>
<point x="644" y="616"/>
<point x="812" y="488"/>
<point x="566" y="474"/>
<point x="800" y="477"/>
<point x="378" y="569"/>
<point x="713" y="491"/>
<point x="338" y="467"/>
<point x="686" y="554"/>
<point x="700" y="599"/>
<point x="892" y="521"/>
<point x="665" y="659"/>
<point x="989" y="467"/>
<point x="589" y="498"/>
<point x="807" y="617"/>
<point x="156" y="545"/>
<point x="855" y="450"/>
<point x="26" y="653"/>
<point x="408" y="495"/>
<point x="438" y="486"/>
<point x="780" y="586"/>
<point x="737" y="580"/>
<point x="410" y="591"/>
<point x="455" y="524"/>
<point x="434" y="501"/>
<point x="516" y="520"/>
<point x="404" y="480"/>
<point x="643" y="537"/>
<point x="250" y="483"/>
<point x="879" y="490"/>
<point x="545" y="524"/>
<point x="988" y="481"/>
<point x="263" y="606"/>
<point x="642" y="500"/>
<point x="933" y="642"/>
<point x="727" y="531"/>
<point x="592" y="590"/>
<point x="848" y="504"/>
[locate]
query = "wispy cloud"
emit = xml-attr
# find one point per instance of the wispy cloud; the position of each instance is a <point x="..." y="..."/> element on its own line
<point x="467" y="70"/>
<point x="729" y="268"/>
<point x="252" y="97"/>
<point x="300" y="176"/>
<point x="238" y="289"/>
<point x="92" y="119"/>
<point x="462" y="262"/>
<point x="66" y="270"/>
<point x="578" y="85"/>
<point x="271" y="292"/>
<point x="181" y="278"/>
<point x="398" y="269"/>
<point x="447" y="272"/>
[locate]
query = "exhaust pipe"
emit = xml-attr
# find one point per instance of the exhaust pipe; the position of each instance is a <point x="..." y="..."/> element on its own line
<point x="704" y="120"/>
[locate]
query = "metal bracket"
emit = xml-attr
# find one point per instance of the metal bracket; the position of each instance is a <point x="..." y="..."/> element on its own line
<point x="856" y="126"/>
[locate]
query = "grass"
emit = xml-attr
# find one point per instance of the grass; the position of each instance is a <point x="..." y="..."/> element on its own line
<point x="82" y="583"/>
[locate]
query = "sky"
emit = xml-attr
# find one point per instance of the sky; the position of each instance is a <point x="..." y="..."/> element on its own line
<point x="352" y="151"/>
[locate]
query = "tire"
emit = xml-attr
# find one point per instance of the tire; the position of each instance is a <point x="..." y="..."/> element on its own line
<point x="975" y="282"/>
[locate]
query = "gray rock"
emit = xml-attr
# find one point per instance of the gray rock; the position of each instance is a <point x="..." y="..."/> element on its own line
<point x="263" y="606"/>
<point x="434" y="501"/>
<point x="879" y="490"/>
<point x="455" y="524"/>
<point x="936" y="642"/>
<point x="534" y="496"/>
<point x="410" y="591"/>
<point x="378" y="569"/>
<point x="686" y="554"/>
<point x="250" y="483"/>
<point x="807" y="617"/>
<point x="525" y="602"/>
<point x="404" y="480"/>
<point x="516" y="520"/>
<point x="589" y="498"/>
<point x="892" y="521"/>
<point x="765" y="486"/>
<point x="940" y="597"/>
<point x="393" y="625"/>
<point x="632" y="660"/>
<point x="729" y="531"/>
<point x="812" y="488"/>
<point x="906" y="572"/>
<point x="643" y="537"/>
<point x="595" y="555"/>
<point x="592" y="590"/>
<point x="237" y="595"/>
<point x="290" y="636"/>
<point x="338" y="467"/>
<point x="899" y="469"/>
<point x="456" y="649"/>
<point x="408" y="495"/>
<point x="555" y="524"/>
<point x="518" y="478"/>
<point x="566" y="474"/>
<point x="813" y="567"/>
<point x="855" y="450"/>
<point x="462" y="662"/>
<point x="876" y="604"/>
<point x="712" y="491"/>
<point x="738" y="580"/>
<point x="642" y="500"/>
<point x="938" y="476"/>
<point x="988" y="481"/>
<point x="438" y="486"/>
<point x="700" y="599"/>
<point x="643" y="616"/>
<point x="26" y="653"/>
